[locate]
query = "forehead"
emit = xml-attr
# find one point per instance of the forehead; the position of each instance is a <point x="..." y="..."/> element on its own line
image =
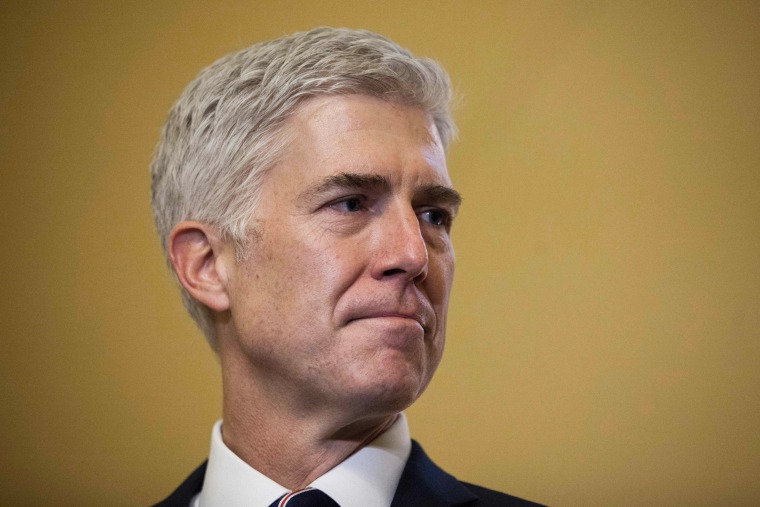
<point x="364" y="134"/>
<point x="347" y="113"/>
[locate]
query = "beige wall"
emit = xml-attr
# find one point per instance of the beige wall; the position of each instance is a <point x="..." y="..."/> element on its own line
<point x="605" y="329"/>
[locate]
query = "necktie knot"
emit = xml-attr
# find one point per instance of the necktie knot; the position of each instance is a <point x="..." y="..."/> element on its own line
<point x="308" y="497"/>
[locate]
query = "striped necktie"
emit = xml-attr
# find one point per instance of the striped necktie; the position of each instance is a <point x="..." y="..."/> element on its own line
<point x="308" y="497"/>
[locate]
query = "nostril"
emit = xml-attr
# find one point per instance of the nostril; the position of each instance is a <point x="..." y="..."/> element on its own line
<point x="391" y="272"/>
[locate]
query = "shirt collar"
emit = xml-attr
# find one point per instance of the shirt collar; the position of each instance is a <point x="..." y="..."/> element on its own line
<point x="367" y="478"/>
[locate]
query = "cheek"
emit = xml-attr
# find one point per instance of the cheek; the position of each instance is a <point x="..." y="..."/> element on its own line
<point x="440" y="277"/>
<point x="305" y="281"/>
<point x="333" y="267"/>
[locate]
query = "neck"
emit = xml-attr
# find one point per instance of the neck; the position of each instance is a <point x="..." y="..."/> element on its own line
<point x="292" y="445"/>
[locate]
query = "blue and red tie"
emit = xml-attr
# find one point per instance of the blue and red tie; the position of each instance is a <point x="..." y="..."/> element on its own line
<point x="308" y="497"/>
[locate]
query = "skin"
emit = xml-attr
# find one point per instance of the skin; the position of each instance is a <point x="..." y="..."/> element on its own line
<point x="336" y="319"/>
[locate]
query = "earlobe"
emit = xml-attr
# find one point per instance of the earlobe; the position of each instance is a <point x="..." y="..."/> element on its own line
<point x="194" y="252"/>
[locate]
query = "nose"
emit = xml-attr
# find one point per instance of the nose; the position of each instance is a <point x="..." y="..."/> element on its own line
<point x="401" y="250"/>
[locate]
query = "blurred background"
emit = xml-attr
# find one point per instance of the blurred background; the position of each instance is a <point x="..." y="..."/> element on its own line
<point x="604" y="339"/>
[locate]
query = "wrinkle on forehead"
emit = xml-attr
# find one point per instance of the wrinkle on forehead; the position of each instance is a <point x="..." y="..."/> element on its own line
<point x="361" y="134"/>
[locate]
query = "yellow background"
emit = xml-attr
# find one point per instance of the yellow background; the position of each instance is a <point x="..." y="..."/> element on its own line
<point x="604" y="341"/>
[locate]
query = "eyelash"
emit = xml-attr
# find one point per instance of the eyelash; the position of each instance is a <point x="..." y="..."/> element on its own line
<point x="445" y="217"/>
<point x="344" y="200"/>
<point x="340" y="205"/>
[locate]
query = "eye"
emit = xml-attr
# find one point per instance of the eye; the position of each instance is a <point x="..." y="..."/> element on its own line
<point x="436" y="217"/>
<point x="351" y="204"/>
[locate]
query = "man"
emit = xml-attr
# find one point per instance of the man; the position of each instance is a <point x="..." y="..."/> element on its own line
<point x="301" y="192"/>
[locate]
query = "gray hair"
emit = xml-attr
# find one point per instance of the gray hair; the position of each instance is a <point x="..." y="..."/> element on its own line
<point x="226" y="130"/>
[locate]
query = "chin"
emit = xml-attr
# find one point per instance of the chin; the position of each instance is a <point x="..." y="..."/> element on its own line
<point x="390" y="394"/>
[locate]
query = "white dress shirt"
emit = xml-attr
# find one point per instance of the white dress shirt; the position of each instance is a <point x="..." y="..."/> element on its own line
<point x="367" y="478"/>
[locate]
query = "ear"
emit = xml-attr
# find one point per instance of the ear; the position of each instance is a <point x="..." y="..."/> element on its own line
<point x="195" y="254"/>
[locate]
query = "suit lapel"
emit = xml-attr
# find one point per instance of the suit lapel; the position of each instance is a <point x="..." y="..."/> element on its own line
<point x="187" y="490"/>
<point x="423" y="483"/>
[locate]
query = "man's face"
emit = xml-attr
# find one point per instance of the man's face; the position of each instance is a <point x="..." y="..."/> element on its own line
<point x="342" y="299"/>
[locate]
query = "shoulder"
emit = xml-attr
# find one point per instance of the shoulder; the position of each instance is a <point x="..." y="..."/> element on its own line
<point x="424" y="484"/>
<point x="489" y="497"/>
<point x="182" y="496"/>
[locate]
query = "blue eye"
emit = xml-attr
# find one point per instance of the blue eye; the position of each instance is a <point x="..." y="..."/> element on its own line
<point x="349" y="204"/>
<point x="436" y="217"/>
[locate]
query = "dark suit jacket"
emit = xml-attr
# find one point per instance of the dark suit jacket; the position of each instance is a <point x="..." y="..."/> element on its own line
<point x="422" y="484"/>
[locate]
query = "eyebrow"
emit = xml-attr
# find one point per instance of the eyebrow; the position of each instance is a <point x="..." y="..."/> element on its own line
<point x="432" y="193"/>
<point x="350" y="181"/>
<point x="441" y="194"/>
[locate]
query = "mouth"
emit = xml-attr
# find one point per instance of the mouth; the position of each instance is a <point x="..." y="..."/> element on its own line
<point x="392" y="318"/>
<point x="389" y="315"/>
<point x="406" y="311"/>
